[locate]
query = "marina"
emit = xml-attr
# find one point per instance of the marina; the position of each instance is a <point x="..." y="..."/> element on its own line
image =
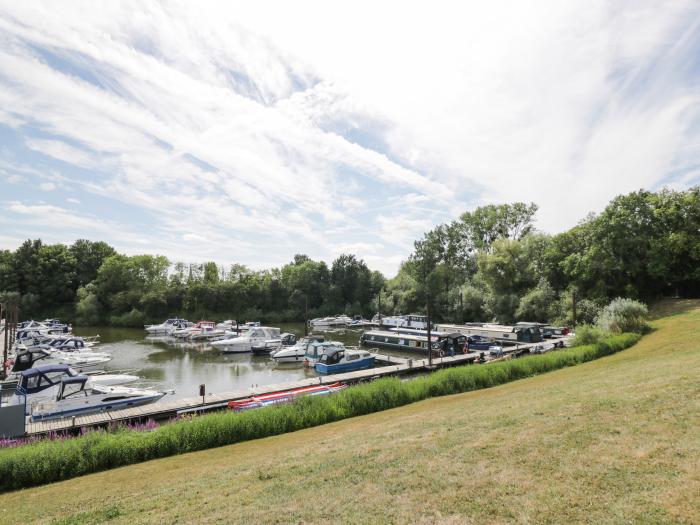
<point x="392" y="366"/>
<point x="171" y="369"/>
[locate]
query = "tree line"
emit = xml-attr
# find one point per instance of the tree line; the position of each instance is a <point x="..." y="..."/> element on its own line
<point x="490" y="264"/>
<point x="90" y="283"/>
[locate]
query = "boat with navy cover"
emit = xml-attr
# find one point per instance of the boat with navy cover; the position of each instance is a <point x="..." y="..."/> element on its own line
<point x="344" y="360"/>
<point x="55" y="391"/>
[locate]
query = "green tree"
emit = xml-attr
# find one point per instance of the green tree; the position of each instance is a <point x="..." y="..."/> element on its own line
<point x="89" y="256"/>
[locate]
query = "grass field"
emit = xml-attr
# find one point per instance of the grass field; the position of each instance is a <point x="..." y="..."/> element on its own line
<point x="615" y="440"/>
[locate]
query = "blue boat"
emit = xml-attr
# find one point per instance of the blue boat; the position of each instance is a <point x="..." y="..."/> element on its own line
<point x="344" y="360"/>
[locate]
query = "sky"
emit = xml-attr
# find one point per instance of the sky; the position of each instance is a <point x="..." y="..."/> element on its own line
<point x="247" y="132"/>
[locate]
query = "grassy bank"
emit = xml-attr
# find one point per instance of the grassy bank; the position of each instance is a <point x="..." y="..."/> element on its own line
<point x="55" y="460"/>
<point x="615" y="440"/>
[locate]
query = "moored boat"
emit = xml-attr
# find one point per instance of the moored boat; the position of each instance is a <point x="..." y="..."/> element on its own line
<point x="273" y="345"/>
<point x="167" y="327"/>
<point x="244" y="343"/>
<point x="316" y="349"/>
<point x="285" y="396"/>
<point x="296" y="353"/>
<point x="344" y="360"/>
<point x="55" y="391"/>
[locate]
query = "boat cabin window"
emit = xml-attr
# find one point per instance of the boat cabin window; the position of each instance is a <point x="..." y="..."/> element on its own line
<point x="331" y="359"/>
<point x="353" y="357"/>
<point x="31" y="383"/>
<point x="71" y="389"/>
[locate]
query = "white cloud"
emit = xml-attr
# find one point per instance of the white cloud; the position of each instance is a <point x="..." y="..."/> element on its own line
<point x="281" y="134"/>
<point x="47" y="186"/>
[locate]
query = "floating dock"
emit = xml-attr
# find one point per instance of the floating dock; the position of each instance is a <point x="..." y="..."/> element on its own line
<point x="394" y="366"/>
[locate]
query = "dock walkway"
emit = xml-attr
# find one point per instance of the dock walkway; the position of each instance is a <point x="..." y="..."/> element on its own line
<point x="171" y="409"/>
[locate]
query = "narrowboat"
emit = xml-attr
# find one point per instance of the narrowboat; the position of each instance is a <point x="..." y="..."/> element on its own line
<point x="404" y="339"/>
<point x="285" y="396"/>
<point x="511" y="334"/>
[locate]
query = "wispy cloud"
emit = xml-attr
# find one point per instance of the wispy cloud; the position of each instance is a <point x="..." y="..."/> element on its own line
<point x="235" y="133"/>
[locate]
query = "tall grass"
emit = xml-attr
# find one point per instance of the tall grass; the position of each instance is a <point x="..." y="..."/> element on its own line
<point x="49" y="461"/>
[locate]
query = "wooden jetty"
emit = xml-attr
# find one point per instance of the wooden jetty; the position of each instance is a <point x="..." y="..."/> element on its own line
<point x="170" y="409"/>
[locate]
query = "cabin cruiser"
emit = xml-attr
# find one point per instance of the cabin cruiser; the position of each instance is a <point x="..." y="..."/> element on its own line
<point x="230" y="325"/>
<point x="26" y="358"/>
<point x="316" y="349"/>
<point x="55" y="391"/>
<point x="207" y="330"/>
<point x="295" y="353"/>
<point x="344" y="360"/>
<point x="69" y="344"/>
<point x="50" y="326"/>
<point x="56" y="370"/>
<point x="244" y="343"/>
<point x="272" y="345"/>
<point x="328" y="323"/>
<point x="167" y="327"/>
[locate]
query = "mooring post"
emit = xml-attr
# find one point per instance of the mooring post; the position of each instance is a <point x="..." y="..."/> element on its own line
<point x="430" y="343"/>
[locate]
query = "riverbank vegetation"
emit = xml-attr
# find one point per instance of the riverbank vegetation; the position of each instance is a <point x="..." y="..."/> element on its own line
<point x="610" y="441"/>
<point x="47" y="461"/>
<point x="489" y="264"/>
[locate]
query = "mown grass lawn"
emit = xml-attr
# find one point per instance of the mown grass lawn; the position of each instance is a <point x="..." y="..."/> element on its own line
<point x="615" y="440"/>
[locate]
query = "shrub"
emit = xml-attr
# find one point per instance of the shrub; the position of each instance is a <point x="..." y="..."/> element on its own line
<point x="589" y="334"/>
<point x="48" y="461"/>
<point x="624" y="315"/>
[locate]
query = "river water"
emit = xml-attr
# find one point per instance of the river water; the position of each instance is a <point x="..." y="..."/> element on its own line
<point x="162" y="363"/>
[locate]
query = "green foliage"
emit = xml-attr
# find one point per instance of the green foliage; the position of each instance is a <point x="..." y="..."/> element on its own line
<point x="486" y="224"/>
<point x="539" y="304"/>
<point x="49" y="461"/>
<point x="624" y="315"/>
<point x="88" y="310"/>
<point x="588" y="334"/>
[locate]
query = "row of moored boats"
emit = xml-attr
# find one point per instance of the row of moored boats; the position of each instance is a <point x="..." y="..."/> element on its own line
<point x="56" y="374"/>
<point x="282" y="347"/>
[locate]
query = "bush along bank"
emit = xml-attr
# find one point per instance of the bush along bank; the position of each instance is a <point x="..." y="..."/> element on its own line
<point x="48" y="461"/>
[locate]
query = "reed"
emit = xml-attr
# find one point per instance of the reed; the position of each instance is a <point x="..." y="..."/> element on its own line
<point x="47" y="461"/>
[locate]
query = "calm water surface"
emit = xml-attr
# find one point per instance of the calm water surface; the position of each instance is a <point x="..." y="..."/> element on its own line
<point x="184" y="366"/>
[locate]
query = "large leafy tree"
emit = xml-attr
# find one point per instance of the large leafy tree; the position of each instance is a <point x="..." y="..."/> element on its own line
<point x="89" y="256"/>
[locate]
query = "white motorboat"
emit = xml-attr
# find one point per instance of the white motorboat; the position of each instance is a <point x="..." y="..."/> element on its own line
<point x="270" y="346"/>
<point x="186" y="331"/>
<point x="167" y="327"/>
<point x="29" y="359"/>
<point x="55" y="391"/>
<point x="230" y="325"/>
<point x="206" y="330"/>
<point x="26" y="358"/>
<point x="244" y="343"/>
<point x="328" y="323"/>
<point x="296" y="352"/>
